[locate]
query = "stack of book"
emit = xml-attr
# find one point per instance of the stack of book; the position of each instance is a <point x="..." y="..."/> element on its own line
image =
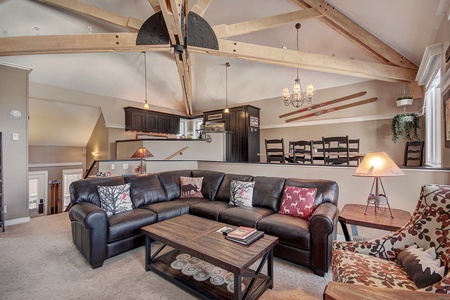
<point x="244" y="235"/>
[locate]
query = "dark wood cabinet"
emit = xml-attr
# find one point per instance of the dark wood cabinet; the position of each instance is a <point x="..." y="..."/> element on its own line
<point x="243" y="122"/>
<point x="150" y="121"/>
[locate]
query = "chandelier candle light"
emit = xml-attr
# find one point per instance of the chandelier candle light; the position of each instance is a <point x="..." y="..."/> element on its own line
<point x="377" y="165"/>
<point x="226" y="110"/>
<point x="298" y="98"/>
<point x="146" y="106"/>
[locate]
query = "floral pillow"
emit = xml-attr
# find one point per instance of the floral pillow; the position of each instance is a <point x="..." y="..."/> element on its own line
<point x="421" y="266"/>
<point x="241" y="193"/>
<point x="298" y="202"/>
<point x="191" y="187"/>
<point x="115" y="199"/>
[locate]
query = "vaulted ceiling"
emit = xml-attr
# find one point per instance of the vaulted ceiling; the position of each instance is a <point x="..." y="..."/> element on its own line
<point x="90" y="45"/>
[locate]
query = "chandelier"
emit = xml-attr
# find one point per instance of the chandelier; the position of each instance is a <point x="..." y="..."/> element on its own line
<point x="298" y="97"/>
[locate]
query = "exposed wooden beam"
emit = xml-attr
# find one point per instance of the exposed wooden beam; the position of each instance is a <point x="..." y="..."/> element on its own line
<point x="200" y="7"/>
<point x="225" y="31"/>
<point x="78" y="43"/>
<point x="358" y="35"/>
<point x="130" y="24"/>
<point x="309" y="61"/>
<point x="172" y="11"/>
<point x="155" y="5"/>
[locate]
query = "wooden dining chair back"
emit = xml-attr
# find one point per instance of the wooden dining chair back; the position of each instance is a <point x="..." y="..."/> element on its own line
<point x="353" y="150"/>
<point x="301" y="151"/>
<point x="336" y="150"/>
<point x="275" y="150"/>
<point x="414" y="153"/>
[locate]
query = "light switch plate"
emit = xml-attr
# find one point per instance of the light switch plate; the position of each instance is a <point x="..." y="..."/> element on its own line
<point x="125" y="166"/>
<point x="15" y="136"/>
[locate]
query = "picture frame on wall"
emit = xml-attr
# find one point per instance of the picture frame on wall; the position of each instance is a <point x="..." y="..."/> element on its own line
<point x="446" y="98"/>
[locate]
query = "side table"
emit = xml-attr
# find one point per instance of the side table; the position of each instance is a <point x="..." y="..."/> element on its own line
<point x="353" y="214"/>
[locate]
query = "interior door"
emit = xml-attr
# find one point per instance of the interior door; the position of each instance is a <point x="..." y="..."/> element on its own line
<point x="38" y="191"/>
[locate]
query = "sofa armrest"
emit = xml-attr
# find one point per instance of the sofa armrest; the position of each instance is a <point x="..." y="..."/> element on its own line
<point x="90" y="232"/>
<point x="323" y="231"/>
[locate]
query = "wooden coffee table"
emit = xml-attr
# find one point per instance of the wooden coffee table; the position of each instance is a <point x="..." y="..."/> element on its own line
<point x="199" y="238"/>
<point x="353" y="214"/>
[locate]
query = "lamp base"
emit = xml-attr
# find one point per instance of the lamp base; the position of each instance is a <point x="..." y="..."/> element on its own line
<point x="377" y="199"/>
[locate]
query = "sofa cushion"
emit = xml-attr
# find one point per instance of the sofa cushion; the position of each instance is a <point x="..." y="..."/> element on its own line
<point x="244" y="215"/>
<point x="191" y="187"/>
<point x="241" y="193"/>
<point x="421" y="266"/>
<point x="211" y="182"/>
<point x="363" y="269"/>
<point x="298" y="202"/>
<point x="169" y="209"/>
<point x="129" y="223"/>
<point x="115" y="199"/>
<point x="291" y="231"/>
<point x="85" y="190"/>
<point x="170" y="180"/>
<point x="209" y="210"/>
<point x="223" y="194"/>
<point x="327" y="190"/>
<point x="267" y="192"/>
<point x="146" y="189"/>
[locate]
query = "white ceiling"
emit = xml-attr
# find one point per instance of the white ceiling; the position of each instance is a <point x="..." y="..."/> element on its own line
<point x="408" y="26"/>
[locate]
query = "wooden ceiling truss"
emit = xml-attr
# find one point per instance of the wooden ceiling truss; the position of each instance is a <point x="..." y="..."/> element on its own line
<point x="176" y="23"/>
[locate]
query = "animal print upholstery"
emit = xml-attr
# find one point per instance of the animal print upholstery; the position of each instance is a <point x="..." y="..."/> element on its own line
<point x="373" y="262"/>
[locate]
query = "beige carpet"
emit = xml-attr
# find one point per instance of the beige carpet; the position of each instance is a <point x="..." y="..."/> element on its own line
<point x="39" y="261"/>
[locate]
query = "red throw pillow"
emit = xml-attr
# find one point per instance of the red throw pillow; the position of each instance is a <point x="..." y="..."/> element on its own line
<point x="191" y="187"/>
<point x="298" y="202"/>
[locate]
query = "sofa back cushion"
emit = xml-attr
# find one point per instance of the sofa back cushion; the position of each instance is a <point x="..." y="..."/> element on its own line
<point x="211" y="182"/>
<point x="146" y="189"/>
<point x="170" y="180"/>
<point x="85" y="190"/>
<point x="223" y="193"/>
<point x="327" y="190"/>
<point x="268" y="191"/>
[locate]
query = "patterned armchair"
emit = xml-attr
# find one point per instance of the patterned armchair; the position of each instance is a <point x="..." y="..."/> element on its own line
<point x="374" y="262"/>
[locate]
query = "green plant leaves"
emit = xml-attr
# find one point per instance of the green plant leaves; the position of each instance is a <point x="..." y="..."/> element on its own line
<point x="405" y="126"/>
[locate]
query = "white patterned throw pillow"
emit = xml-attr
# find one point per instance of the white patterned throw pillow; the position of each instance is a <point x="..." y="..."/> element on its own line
<point x="241" y="193"/>
<point x="115" y="199"/>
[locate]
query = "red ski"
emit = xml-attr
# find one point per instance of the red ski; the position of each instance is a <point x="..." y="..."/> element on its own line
<point x="333" y="109"/>
<point x="323" y="104"/>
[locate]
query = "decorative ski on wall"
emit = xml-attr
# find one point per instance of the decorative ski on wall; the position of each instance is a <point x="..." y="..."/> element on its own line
<point x="324" y="104"/>
<point x="333" y="109"/>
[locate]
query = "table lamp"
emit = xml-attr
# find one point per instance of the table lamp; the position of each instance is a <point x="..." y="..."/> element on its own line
<point x="377" y="165"/>
<point x="142" y="153"/>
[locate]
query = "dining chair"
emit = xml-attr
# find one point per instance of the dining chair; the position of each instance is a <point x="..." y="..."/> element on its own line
<point x="414" y="153"/>
<point x="301" y="151"/>
<point x="318" y="150"/>
<point x="353" y="148"/>
<point x="336" y="150"/>
<point x="275" y="150"/>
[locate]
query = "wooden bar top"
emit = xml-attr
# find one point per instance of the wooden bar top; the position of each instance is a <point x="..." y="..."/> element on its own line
<point x="381" y="219"/>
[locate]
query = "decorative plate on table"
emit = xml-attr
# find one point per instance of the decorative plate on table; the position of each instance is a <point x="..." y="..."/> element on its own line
<point x="183" y="256"/>
<point x="190" y="270"/>
<point x="230" y="287"/>
<point x="217" y="280"/>
<point x="229" y="277"/>
<point x="201" y="275"/>
<point x="216" y="271"/>
<point x="178" y="264"/>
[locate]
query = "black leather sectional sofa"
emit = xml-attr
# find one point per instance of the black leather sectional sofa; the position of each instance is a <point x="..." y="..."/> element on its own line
<point x="156" y="197"/>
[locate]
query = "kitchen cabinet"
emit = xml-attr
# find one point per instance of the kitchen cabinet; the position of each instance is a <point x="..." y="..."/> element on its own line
<point x="142" y="120"/>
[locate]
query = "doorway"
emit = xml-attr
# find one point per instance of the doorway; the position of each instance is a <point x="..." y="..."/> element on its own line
<point x="68" y="177"/>
<point x="38" y="191"/>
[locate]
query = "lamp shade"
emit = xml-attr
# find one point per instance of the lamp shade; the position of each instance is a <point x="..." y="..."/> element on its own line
<point x="378" y="164"/>
<point x="142" y="152"/>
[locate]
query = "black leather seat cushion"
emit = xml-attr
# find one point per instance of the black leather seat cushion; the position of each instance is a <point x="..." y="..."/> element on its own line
<point x="129" y="223"/>
<point x="209" y="210"/>
<point x="170" y="181"/>
<point x="86" y="190"/>
<point x="292" y="231"/>
<point x="168" y="209"/>
<point x="211" y="182"/>
<point x="267" y="192"/>
<point x="146" y="189"/>
<point x="244" y="216"/>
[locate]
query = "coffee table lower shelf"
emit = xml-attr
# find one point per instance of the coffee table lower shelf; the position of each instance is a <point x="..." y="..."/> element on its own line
<point x="161" y="265"/>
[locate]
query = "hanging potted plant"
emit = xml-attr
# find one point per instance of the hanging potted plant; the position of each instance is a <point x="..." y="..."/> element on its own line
<point x="405" y="99"/>
<point x="405" y="126"/>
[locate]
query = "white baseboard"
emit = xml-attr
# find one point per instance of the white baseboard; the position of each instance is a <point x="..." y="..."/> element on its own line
<point x="17" y="221"/>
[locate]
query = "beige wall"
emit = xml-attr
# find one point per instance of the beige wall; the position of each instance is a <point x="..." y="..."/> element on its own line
<point x="14" y="95"/>
<point x="98" y="144"/>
